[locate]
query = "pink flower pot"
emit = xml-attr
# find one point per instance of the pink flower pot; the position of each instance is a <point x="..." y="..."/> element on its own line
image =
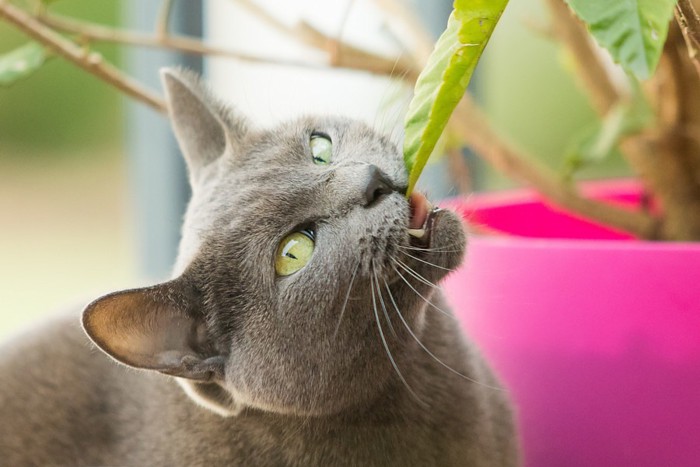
<point x="595" y="335"/>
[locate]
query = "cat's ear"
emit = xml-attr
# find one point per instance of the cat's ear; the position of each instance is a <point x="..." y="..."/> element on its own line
<point x="204" y="127"/>
<point x="154" y="328"/>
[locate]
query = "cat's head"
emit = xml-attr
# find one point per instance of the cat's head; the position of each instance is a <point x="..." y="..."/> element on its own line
<point x="299" y="249"/>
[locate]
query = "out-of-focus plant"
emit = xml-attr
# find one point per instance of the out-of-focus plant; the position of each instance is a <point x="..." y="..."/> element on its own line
<point x="649" y="104"/>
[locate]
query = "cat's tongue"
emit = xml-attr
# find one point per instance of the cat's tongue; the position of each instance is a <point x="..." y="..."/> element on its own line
<point x="420" y="207"/>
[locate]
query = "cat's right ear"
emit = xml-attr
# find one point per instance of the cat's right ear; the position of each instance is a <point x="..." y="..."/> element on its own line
<point x="155" y="328"/>
<point x="204" y="127"/>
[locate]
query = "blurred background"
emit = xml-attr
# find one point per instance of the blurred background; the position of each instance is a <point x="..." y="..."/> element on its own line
<point x="92" y="188"/>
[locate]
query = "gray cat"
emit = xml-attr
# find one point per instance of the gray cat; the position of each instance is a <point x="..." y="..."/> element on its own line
<point x="302" y="326"/>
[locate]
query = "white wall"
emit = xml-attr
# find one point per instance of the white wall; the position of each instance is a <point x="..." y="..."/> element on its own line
<point x="270" y="93"/>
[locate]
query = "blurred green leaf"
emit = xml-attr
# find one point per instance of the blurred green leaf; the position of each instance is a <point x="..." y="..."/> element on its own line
<point x="32" y="4"/>
<point x="633" y="31"/>
<point x="21" y="62"/>
<point x="444" y="79"/>
<point x="599" y="141"/>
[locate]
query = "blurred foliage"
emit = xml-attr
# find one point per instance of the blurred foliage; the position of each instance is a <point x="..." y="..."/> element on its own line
<point x="600" y="139"/>
<point x="60" y="107"/>
<point x="530" y="93"/>
<point x="21" y="62"/>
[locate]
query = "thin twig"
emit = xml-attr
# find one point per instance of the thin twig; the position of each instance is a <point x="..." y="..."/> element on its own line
<point x="96" y="32"/>
<point x="163" y="18"/>
<point x="92" y="62"/>
<point x="352" y="57"/>
<point x="355" y="58"/>
<point x="263" y="15"/>
<point x="689" y="22"/>
<point x="336" y="45"/>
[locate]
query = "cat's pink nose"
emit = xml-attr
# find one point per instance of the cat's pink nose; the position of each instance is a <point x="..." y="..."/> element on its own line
<point x="378" y="184"/>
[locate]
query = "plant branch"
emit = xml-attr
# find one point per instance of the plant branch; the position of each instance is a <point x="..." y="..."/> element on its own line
<point x="91" y="62"/>
<point x="689" y="22"/>
<point x="352" y="57"/>
<point x="101" y="33"/>
<point x="336" y="45"/>
<point x="355" y="58"/>
<point x="519" y="166"/>
<point x="263" y="15"/>
<point x="163" y="18"/>
<point x="666" y="160"/>
<point x="590" y="69"/>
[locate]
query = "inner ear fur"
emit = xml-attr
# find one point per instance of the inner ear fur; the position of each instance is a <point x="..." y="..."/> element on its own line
<point x="204" y="127"/>
<point x="154" y="328"/>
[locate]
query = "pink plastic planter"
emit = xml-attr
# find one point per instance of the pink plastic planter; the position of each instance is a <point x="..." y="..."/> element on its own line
<point x="597" y="336"/>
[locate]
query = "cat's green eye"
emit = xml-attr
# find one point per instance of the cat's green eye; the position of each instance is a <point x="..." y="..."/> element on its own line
<point x="321" y="149"/>
<point x="293" y="252"/>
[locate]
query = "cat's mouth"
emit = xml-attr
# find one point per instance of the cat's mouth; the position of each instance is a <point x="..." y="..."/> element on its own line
<point x="422" y="220"/>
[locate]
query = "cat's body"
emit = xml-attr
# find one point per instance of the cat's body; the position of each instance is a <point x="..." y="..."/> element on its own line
<point x="313" y="367"/>
<point x="94" y="412"/>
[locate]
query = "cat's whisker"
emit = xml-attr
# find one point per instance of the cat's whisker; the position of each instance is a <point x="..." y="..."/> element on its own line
<point x="427" y="262"/>
<point x="444" y="249"/>
<point x="345" y="303"/>
<point x="413" y="273"/>
<point x="386" y="347"/>
<point x="449" y="315"/>
<point x="410" y="331"/>
<point x="381" y="301"/>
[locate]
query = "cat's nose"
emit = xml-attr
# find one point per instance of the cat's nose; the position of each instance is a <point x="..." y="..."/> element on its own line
<point x="378" y="184"/>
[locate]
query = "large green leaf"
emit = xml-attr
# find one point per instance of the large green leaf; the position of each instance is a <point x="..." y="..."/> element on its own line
<point x="21" y="62"/>
<point x="444" y="80"/>
<point x="633" y="31"/>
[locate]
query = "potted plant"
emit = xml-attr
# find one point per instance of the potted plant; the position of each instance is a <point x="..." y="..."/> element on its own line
<point x="591" y="319"/>
<point x="584" y="297"/>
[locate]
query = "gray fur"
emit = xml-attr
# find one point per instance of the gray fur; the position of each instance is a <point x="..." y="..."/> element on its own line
<point x="235" y="366"/>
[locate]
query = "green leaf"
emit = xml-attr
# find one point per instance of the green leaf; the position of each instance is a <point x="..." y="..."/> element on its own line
<point x="633" y="31"/>
<point x="21" y="62"/>
<point x="599" y="141"/>
<point x="444" y="80"/>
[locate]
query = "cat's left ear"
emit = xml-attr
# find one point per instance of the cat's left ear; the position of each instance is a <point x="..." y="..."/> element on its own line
<point x="204" y="127"/>
<point x="154" y="328"/>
